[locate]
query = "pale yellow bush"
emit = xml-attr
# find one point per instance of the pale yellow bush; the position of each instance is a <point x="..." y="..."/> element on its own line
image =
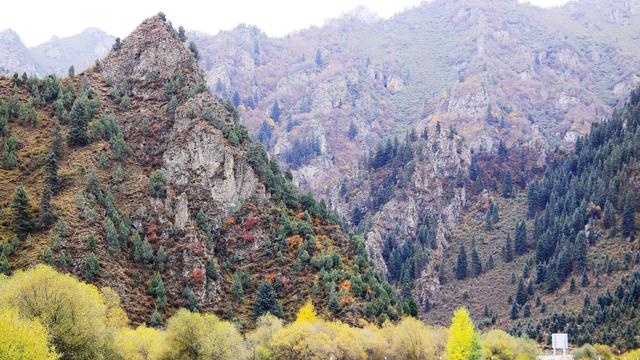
<point x="301" y="340"/>
<point x="585" y="352"/>
<point x="194" y="336"/>
<point x="497" y="344"/>
<point x="23" y="339"/>
<point x="347" y="342"/>
<point x="74" y="313"/>
<point x="412" y="339"/>
<point x="604" y="351"/>
<point x="143" y="343"/>
<point x="631" y="355"/>
<point x="374" y="343"/>
<point x="266" y="326"/>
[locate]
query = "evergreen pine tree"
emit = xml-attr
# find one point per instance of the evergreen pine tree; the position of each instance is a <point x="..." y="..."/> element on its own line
<point x="193" y="304"/>
<point x="609" y="217"/>
<point x="51" y="172"/>
<point x="91" y="267"/>
<point x="508" y="252"/>
<point x="9" y="148"/>
<point x="628" y="218"/>
<point x="57" y="142"/>
<point x="21" y="208"/>
<point x="353" y="131"/>
<point x="507" y="185"/>
<point x="181" y="34"/>
<point x="266" y="301"/>
<point x="490" y="263"/>
<point x="5" y="268"/>
<point x="521" y="293"/>
<point x="580" y="251"/>
<point x="334" y="305"/>
<point x="212" y="270"/>
<point x="584" y="281"/>
<point x="111" y="237"/>
<point x="520" y="241"/>
<point x="540" y="273"/>
<point x="461" y="266"/>
<point x="156" y="318"/>
<point x="476" y="264"/>
<point x="275" y="111"/>
<point x="514" y="310"/>
<point x="78" y="119"/>
<point x="46" y="215"/>
<point x="157" y="185"/>
<point x="237" y="288"/>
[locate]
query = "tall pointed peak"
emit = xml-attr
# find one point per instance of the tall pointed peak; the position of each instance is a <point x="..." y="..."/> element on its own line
<point x="153" y="52"/>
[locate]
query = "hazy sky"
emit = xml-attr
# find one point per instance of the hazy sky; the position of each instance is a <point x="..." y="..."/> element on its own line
<point x="36" y="21"/>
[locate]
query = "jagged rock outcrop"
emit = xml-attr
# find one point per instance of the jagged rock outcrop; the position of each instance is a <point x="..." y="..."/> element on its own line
<point x="203" y="165"/>
<point x="426" y="185"/>
<point x="151" y="53"/>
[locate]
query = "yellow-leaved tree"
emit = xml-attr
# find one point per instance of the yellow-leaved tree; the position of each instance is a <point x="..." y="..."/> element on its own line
<point x="191" y="336"/>
<point x="73" y="313"/>
<point x="307" y="313"/>
<point x="463" y="342"/>
<point x="143" y="343"/>
<point x="23" y="338"/>
<point x="258" y="340"/>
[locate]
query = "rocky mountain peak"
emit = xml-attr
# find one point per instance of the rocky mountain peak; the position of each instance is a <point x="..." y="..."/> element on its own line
<point x="15" y="55"/>
<point x="9" y="34"/>
<point x="153" y="52"/>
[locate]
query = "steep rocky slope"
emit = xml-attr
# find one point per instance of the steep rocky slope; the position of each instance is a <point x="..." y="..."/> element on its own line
<point x="159" y="193"/>
<point x="484" y="67"/>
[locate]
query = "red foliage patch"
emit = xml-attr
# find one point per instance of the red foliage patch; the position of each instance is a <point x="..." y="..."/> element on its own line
<point x="270" y="277"/>
<point x="295" y="241"/>
<point x="197" y="276"/>
<point x="196" y="247"/>
<point x="247" y="237"/>
<point x="249" y="223"/>
<point x="152" y="232"/>
<point x="346" y="285"/>
<point x="346" y="300"/>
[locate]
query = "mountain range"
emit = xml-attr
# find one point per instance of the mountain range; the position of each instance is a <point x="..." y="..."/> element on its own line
<point x="54" y="56"/>
<point x="465" y="152"/>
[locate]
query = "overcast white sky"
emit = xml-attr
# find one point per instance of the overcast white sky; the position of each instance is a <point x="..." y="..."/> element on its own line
<point x="36" y="21"/>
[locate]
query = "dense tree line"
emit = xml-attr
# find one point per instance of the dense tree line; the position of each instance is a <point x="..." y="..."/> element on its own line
<point x="610" y="318"/>
<point x="302" y="151"/>
<point x="587" y="186"/>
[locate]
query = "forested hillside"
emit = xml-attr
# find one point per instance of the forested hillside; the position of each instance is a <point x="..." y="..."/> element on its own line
<point x="584" y="200"/>
<point x="131" y="175"/>
<point x="515" y="241"/>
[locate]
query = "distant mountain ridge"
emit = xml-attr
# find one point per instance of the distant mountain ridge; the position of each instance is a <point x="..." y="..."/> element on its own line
<point x="54" y="56"/>
<point x="494" y="70"/>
